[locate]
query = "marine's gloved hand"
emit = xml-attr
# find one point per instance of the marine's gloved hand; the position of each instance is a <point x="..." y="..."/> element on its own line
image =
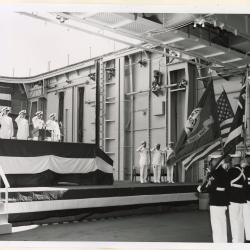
<point x="199" y="189"/>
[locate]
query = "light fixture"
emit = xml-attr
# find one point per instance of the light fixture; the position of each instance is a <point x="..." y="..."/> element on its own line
<point x="110" y="72"/>
<point x="92" y="76"/>
<point x="143" y="63"/>
<point x="61" y="19"/>
<point x="200" y="21"/>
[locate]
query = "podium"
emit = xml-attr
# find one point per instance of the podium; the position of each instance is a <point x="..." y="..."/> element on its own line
<point x="43" y="134"/>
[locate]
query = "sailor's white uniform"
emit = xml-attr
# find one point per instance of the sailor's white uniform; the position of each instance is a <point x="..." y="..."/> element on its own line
<point x="6" y="131"/>
<point x="143" y="162"/>
<point x="156" y="162"/>
<point x="23" y="127"/>
<point x="38" y="123"/>
<point x="170" y="167"/>
<point x="55" y="130"/>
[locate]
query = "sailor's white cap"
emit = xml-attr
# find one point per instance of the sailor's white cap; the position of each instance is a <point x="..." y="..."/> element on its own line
<point x="39" y="113"/>
<point x="22" y="112"/>
<point x="5" y="109"/>
<point x="52" y="115"/>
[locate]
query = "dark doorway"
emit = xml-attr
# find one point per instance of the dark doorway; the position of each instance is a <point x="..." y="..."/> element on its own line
<point x="80" y="133"/>
<point x="33" y="109"/>
<point x="61" y="113"/>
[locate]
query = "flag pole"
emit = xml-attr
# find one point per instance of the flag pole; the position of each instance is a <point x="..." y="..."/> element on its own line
<point x="246" y="112"/>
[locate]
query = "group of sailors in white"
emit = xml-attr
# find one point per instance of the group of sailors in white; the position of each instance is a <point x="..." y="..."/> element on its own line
<point x="7" y="130"/>
<point x="51" y="125"/>
<point x="159" y="159"/>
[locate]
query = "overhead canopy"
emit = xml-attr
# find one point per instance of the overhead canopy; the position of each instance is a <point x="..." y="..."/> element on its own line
<point x="221" y="40"/>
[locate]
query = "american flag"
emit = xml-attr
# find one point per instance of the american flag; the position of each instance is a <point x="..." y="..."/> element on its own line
<point x="235" y="135"/>
<point x="225" y="117"/>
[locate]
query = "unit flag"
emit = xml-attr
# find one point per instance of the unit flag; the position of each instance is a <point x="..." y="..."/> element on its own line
<point x="201" y="128"/>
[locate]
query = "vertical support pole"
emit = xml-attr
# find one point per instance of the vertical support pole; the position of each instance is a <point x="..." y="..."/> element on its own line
<point x="169" y="109"/>
<point x="102" y="90"/>
<point x="132" y="137"/>
<point x="149" y="103"/>
<point x="121" y="110"/>
<point x="43" y="89"/>
<point x="166" y="100"/>
<point x="187" y="77"/>
<point x="117" y="66"/>
<point x="73" y="116"/>
<point x="97" y="107"/>
<point x="66" y="125"/>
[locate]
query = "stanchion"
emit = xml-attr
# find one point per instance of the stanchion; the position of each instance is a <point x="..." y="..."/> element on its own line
<point x="203" y="201"/>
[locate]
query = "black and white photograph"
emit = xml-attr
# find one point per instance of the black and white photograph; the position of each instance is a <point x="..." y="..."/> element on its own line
<point x="124" y="125"/>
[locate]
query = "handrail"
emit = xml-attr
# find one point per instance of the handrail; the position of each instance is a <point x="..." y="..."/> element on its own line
<point x="6" y="184"/>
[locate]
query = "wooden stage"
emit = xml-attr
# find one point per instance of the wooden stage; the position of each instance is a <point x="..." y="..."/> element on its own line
<point x="39" y="202"/>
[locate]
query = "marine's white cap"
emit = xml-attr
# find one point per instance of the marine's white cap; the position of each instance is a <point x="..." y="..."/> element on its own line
<point x="210" y="157"/>
<point x="247" y="154"/>
<point x="236" y="155"/>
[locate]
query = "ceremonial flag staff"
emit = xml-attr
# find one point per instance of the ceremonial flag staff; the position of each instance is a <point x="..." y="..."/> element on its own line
<point x="246" y="112"/>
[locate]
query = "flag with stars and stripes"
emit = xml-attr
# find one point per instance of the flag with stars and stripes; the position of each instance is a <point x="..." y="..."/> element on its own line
<point x="235" y="135"/>
<point x="225" y="117"/>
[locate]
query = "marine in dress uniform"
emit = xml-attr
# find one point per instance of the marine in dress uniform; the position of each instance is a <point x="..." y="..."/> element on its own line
<point x="143" y="162"/>
<point x="22" y="126"/>
<point x="53" y="126"/>
<point x="6" y="131"/>
<point x="217" y="186"/>
<point x="246" y="206"/>
<point x="156" y="162"/>
<point x="38" y="123"/>
<point x="237" y="199"/>
<point x="170" y="167"/>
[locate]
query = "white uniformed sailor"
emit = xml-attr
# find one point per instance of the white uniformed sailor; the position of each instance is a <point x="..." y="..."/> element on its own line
<point x="22" y="125"/>
<point x="170" y="167"/>
<point x="157" y="162"/>
<point x="6" y="131"/>
<point x="38" y="123"/>
<point x="53" y="126"/>
<point x="143" y="162"/>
